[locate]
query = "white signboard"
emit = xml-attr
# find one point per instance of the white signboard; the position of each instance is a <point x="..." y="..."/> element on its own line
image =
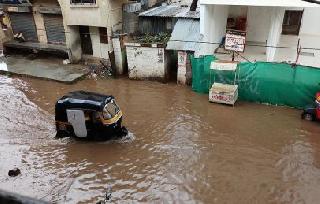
<point x="224" y="66"/>
<point x="235" y="41"/>
<point x="13" y="9"/>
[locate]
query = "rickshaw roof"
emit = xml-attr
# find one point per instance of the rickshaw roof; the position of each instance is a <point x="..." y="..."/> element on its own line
<point x="83" y="100"/>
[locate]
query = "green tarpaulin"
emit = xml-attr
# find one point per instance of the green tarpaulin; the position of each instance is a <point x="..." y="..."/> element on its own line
<point x="262" y="82"/>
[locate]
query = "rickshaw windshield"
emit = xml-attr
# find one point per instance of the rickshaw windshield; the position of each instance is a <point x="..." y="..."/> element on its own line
<point x="111" y="110"/>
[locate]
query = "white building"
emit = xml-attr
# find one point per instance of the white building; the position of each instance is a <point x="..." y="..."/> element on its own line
<point x="90" y="25"/>
<point x="273" y="29"/>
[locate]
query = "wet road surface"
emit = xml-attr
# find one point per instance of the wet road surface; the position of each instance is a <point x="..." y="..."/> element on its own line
<point x="182" y="149"/>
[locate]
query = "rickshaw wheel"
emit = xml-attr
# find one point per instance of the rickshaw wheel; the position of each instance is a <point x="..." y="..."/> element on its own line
<point x="308" y="117"/>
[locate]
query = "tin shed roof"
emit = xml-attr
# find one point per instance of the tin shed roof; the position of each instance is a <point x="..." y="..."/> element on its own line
<point x="177" y="11"/>
<point x="185" y="35"/>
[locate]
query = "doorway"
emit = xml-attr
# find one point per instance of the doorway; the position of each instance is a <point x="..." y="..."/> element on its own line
<point x="292" y="22"/>
<point x="86" y="43"/>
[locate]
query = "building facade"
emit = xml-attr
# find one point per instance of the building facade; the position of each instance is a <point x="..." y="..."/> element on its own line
<point x="39" y="21"/>
<point x="275" y="30"/>
<point x="83" y="27"/>
<point x="90" y="26"/>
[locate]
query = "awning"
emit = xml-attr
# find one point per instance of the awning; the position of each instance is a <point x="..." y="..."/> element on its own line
<point x="185" y="35"/>
<point x="265" y="3"/>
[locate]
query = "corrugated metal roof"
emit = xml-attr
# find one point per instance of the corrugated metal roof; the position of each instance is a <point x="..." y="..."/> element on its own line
<point x="171" y="11"/>
<point x="185" y="35"/>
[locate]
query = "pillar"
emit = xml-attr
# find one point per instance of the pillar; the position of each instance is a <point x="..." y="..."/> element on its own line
<point x="274" y="32"/>
<point x="182" y="67"/>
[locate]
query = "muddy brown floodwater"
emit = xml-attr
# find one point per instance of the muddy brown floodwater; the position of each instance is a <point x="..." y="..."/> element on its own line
<point x="182" y="148"/>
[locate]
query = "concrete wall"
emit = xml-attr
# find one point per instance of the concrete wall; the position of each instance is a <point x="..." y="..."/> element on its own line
<point x="73" y="42"/>
<point x="45" y="3"/>
<point x="310" y="24"/>
<point x="258" y="23"/>
<point x="146" y="62"/>
<point x="264" y="24"/>
<point x="106" y="13"/>
<point x="100" y="50"/>
<point x="238" y="11"/>
<point x="151" y="3"/>
<point x="41" y="30"/>
<point x="213" y="22"/>
<point x="259" y="20"/>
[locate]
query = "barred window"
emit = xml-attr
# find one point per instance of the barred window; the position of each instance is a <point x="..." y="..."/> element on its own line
<point x="83" y="1"/>
<point x="103" y="35"/>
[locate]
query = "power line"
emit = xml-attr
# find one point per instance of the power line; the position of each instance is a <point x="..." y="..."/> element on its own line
<point x="210" y="43"/>
<point x="249" y="45"/>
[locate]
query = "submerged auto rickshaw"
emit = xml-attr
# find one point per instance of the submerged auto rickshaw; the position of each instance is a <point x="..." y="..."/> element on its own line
<point x="312" y="112"/>
<point x="88" y="115"/>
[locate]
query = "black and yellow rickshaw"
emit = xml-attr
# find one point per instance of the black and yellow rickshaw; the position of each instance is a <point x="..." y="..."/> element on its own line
<point x="88" y="115"/>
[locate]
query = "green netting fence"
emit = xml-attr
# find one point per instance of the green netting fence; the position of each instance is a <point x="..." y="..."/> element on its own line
<point x="262" y="82"/>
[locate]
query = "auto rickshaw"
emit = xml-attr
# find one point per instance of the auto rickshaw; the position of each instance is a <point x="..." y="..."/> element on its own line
<point x="88" y="115"/>
<point x="312" y="112"/>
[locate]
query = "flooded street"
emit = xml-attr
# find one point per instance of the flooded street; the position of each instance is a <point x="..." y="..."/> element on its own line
<point x="182" y="148"/>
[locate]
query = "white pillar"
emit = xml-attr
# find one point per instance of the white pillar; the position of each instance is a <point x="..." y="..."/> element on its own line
<point x="117" y="55"/>
<point x="203" y="19"/>
<point x="213" y="24"/>
<point x="204" y="31"/>
<point x="275" y="31"/>
<point x="182" y="67"/>
<point x="73" y="43"/>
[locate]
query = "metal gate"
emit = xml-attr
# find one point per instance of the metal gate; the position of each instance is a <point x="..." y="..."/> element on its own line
<point x="54" y="28"/>
<point x="24" y="23"/>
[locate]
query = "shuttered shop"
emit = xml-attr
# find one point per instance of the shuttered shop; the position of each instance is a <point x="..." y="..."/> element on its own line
<point x="24" y="23"/>
<point x="54" y="28"/>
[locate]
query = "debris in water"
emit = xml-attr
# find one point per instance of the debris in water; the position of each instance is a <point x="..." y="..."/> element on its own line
<point x="107" y="197"/>
<point x="3" y="66"/>
<point x="14" y="172"/>
<point x="103" y="69"/>
<point x="66" y="61"/>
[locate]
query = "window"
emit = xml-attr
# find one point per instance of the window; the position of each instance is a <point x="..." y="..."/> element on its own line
<point x="292" y="22"/>
<point x="103" y="35"/>
<point x="83" y="1"/>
